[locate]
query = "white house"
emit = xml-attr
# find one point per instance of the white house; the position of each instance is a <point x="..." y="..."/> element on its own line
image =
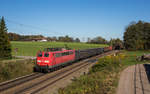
<point x="43" y="40"/>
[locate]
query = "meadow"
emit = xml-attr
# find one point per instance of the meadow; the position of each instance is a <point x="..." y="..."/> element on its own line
<point x="131" y="57"/>
<point x="31" y="48"/>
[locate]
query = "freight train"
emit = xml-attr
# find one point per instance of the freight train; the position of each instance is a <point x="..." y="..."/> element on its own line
<point x="51" y="58"/>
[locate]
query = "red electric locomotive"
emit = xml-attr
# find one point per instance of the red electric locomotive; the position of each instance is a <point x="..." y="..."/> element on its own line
<point x="51" y="58"/>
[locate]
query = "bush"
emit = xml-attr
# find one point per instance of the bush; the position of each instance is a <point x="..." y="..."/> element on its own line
<point x="109" y="63"/>
<point x="15" y="68"/>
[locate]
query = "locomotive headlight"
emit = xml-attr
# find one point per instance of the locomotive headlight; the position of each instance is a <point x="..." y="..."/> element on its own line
<point x="38" y="60"/>
<point x="46" y="61"/>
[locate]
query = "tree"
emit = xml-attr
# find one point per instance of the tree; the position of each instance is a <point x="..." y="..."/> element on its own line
<point x="14" y="36"/>
<point x="65" y="39"/>
<point x="98" y="40"/>
<point x="137" y="36"/>
<point x="5" y="47"/>
<point x="68" y="39"/>
<point x="77" y="40"/>
<point x="146" y="35"/>
<point x="116" y="44"/>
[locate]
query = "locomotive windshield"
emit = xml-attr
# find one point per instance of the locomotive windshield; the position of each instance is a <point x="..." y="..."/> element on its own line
<point x="46" y="55"/>
<point x="39" y="54"/>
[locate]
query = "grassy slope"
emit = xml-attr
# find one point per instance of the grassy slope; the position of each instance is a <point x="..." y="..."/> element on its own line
<point x="104" y="76"/>
<point x="31" y="48"/>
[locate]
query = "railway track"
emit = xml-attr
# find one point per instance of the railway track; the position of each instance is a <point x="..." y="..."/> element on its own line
<point x="138" y="81"/>
<point x="49" y="81"/>
<point x="34" y="83"/>
<point x="12" y="83"/>
<point x="135" y="79"/>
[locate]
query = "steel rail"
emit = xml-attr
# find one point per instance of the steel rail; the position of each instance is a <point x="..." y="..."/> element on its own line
<point x="12" y="83"/>
<point x="141" y="79"/>
<point x="51" y="83"/>
<point x="49" y="78"/>
<point x="135" y="80"/>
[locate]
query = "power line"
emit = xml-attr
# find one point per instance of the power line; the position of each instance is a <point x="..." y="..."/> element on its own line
<point x="33" y="27"/>
<point x="37" y="28"/>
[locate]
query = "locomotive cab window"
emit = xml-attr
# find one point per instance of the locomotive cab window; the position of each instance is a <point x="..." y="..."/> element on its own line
<point x="46" y="55"/>
<point x="39" y="54"/>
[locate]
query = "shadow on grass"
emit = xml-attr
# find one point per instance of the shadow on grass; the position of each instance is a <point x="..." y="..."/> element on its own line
<point x="147" y="68"/>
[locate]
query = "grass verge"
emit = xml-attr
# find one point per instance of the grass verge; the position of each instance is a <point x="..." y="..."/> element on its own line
<point x="131" y="57"/>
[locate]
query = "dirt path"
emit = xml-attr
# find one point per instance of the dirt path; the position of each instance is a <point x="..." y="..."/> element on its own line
<point x="134" y="80"/>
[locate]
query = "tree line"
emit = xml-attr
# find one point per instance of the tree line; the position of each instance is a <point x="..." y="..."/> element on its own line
<point x="137" y="36"/>
<point x="18" y="37"/>
<point x="116" y="43"/>
<point x="96" y="40"/>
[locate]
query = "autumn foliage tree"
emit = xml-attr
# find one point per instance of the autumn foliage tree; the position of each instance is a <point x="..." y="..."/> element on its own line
<point x="5" y="47"/>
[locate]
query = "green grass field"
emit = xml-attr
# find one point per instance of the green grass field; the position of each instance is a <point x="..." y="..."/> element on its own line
<point x="31" y="48"/>
<point x="132" y="55"/>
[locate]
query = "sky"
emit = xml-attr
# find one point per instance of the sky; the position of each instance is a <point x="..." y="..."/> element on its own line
<point x="76" y="18"/>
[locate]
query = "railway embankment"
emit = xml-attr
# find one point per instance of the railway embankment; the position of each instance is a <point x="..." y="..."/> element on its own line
<point x="10" y="69"/>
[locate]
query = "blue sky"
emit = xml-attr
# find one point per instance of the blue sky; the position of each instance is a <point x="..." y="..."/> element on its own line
<point x="76" y="18"/>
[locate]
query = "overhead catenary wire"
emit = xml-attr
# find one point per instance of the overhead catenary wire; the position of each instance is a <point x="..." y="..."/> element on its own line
<point x="42" y="30"/>
<point x="47" y="31"/>
<point x="31" y="27"/>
